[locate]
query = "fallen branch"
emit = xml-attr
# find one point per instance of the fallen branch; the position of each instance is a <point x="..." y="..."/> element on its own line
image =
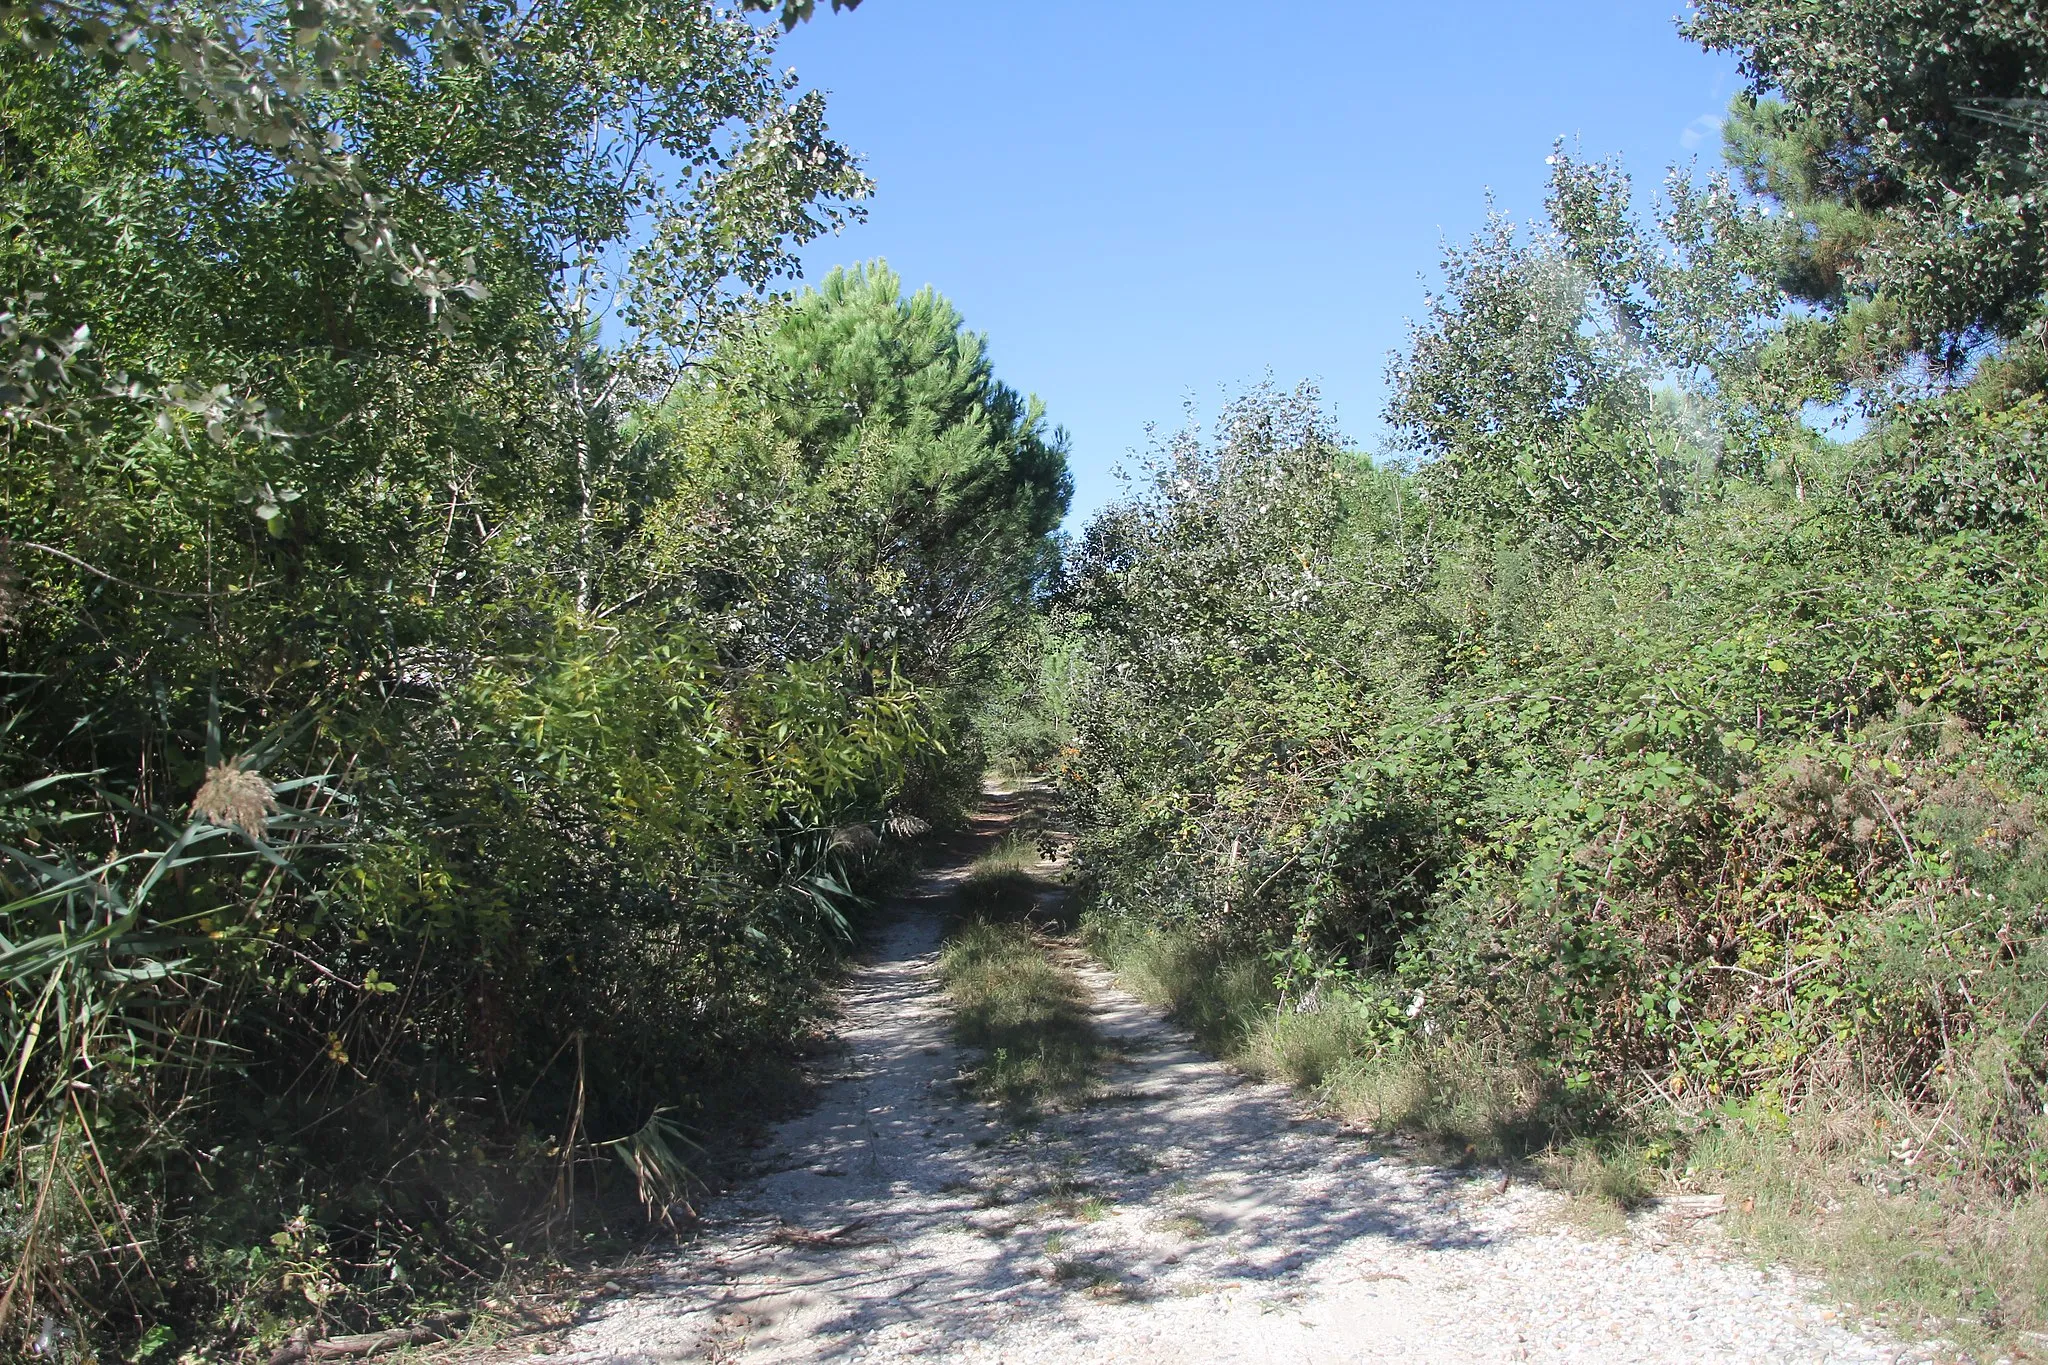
<point x="366" y="1343"/>
<point x="790" y="1235"/>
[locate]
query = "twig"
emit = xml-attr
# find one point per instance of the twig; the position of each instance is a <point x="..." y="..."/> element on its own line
<point x="317" y="966"/>
<point x="1276" y="872"/>
<point x="113" y="1196"/>
<point x="35" y="1218"/>
<point x="1906" y="843"/>
<point x="565" y="1183"/>
<point x="111" y="578"/>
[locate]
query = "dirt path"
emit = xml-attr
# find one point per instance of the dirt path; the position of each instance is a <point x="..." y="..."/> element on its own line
<point x="1187" y="1216"/>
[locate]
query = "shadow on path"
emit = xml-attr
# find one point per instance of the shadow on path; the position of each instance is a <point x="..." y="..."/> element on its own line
<point x="1188" y="1214"/>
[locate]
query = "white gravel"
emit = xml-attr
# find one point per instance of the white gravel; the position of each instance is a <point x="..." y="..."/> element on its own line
<point x="1190" y="1215"/>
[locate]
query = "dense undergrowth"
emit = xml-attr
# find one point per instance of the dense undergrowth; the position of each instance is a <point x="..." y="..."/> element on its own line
<point x="1724" y="850"/>
<point x="465" y="647"/>
<point x="1618" y="773"/>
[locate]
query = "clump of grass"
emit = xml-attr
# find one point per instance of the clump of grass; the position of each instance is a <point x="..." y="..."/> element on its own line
<point x="1219" y="999"/>
<point x="1026" y="1013"/>
<point x="1850" y="1189"/>
<point x="1098" y="1281"/>
<point x="1607" y="1179"/>
<point x="999" y="896"/>
<point x="1469" y="1099"/>
<point x="1015" y="852"/>
<point x="1002" y="885"/>
<point x="1307" y="1048"/>
<point x="1464" y="1099"/>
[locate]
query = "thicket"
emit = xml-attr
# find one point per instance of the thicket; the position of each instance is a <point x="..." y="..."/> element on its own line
<point x="465" y="644"/>
<point x="1616" y="748"/>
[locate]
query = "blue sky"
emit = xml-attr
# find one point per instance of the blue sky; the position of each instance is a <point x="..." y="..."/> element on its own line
<point x="1147" y="204"/>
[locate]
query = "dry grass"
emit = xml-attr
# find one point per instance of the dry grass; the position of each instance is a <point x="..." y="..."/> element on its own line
<point x="1011" y="999"/>
<point x="1847" y="1187"/>
<point x="235" y="796"/>
<point x="1026" y="1013"/>
<point x="1929" y="1249"/>
<point x="1830" y="1188"/>
<point x="1463" y="1099"/>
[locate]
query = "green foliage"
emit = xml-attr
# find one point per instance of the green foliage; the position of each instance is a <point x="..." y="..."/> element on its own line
<point x="1021" y="721"/>
<point x="1599" y="800"/>
<point x="858" y="469"/>
<point x="795" y="12"/>
<point x="449" y="724"/>
<point x="1909" y="153"/>
<point x="1635" y="767"/>
<point x="1555" y="383"/>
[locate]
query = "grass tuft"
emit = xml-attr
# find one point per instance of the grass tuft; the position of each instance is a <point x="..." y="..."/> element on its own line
<point x="1465" y="1100"/>
<point x="1832" y="1188"/>
<point x="1026" y="1012"/>
<point x="1002" y="885"/>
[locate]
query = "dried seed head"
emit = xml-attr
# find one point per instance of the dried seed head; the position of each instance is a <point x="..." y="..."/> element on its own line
<point x="235" y="797"/>
<point x="905" y="826"/>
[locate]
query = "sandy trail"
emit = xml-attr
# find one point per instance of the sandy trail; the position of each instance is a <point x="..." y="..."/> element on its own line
<point x="1188" y="1215"/>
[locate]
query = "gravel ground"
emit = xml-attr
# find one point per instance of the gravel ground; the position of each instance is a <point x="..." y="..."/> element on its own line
<point x="1188" y="1215"/>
